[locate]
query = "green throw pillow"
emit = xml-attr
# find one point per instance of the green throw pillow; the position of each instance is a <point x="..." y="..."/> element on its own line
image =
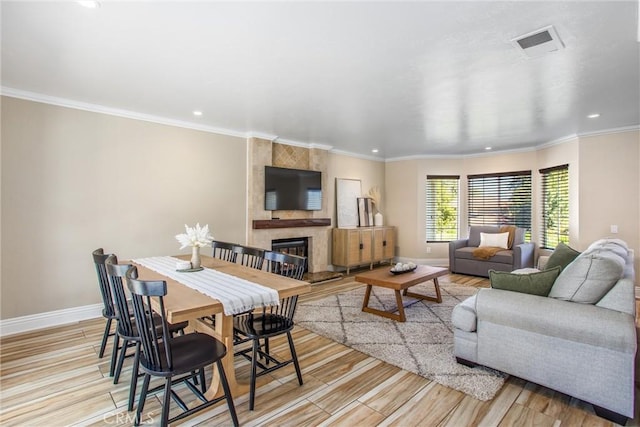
<point x="538" y="283"/>
<point x="562" y="256"/>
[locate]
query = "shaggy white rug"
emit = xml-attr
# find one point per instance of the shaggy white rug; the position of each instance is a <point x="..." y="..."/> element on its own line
<point x="423" y="344"/>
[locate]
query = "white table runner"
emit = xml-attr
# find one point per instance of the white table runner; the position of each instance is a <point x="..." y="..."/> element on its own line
<point x="236" y="295"/>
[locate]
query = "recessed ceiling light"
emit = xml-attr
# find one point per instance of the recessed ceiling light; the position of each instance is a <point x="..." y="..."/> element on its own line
<point x="197" y="113"/>
<point x="90" y="4"/>
<point x="594" y="115"/>
<point x="375" y="150"/>
<point x="487" y="148"/>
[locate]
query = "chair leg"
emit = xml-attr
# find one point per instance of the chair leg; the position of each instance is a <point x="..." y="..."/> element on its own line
<point x="143" y="397"/>
<point x="123" y="354"/>
<point x="266" y="350"/>
<point x="227" y="393"/>
<point x="114" y="354"/>
<point x="105" y="337"/>
<point x="166" y="402"/>
<point x="294" y="356"/>
<point x="134" y="377"/>
<point x="203" y="381"/>
<point x="254" y="361"/>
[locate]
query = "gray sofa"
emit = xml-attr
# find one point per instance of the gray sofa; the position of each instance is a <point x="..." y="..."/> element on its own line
<point x="461" y="259"/>
<point x="579" y="340"/>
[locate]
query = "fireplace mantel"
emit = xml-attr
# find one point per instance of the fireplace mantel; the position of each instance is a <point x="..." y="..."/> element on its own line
<point x="260" y="224"/>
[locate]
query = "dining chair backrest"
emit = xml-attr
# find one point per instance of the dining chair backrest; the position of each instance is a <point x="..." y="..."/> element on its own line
<point x="99" y="259"/>
<point x="250" y="257"/>
<point x="285" y="264"/>
<point x="117" y="275"/>
<point x="153" y="330"/>
<point x="224" y="251"/>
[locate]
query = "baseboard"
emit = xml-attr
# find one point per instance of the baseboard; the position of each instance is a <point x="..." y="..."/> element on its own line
<point x="32" y="322"/>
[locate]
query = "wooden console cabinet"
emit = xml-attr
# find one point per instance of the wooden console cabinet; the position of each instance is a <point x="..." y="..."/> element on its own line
<point x="353" y="247"/>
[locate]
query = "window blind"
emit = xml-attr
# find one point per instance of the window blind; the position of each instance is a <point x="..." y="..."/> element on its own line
<point x="500" y="199"/>
<point x="555" y="206"/>
<point x="442" y="200"/>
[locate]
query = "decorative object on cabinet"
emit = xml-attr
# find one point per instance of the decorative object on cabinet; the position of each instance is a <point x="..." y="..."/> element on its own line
<point x="354" y="247"/>
<point x="347" y="193"/>
<point x="365" y="212"/>
<point x="374" y="195"/>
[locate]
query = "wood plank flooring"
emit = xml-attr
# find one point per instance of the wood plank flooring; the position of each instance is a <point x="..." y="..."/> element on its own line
<point x="54" y="377"/>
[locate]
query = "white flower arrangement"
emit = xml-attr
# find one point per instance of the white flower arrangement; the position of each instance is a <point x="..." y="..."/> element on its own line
<point x="196" y="236"/>
<point x="374" y="195"/>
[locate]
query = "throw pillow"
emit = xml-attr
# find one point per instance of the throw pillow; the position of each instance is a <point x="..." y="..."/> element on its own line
<point x="538" y="283"/>
<point x="588" y="278"/>
<point x="562" y="256"/>
<point x="497" y="240"/>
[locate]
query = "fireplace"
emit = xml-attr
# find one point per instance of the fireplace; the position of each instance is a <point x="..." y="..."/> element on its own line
<point x="294" y="246"/>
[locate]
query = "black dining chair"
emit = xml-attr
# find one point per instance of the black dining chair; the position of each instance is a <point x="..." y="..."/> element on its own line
<point x="108" y="310"/>
<point x="285" y="264"/>
<point x="224" y="251"/>
<point x="249" y="257"/>
<point x="126" y="329"/>
<point x="269" y="323"/>
<point x="176" y="359"/>
<point x="244" y="255"/>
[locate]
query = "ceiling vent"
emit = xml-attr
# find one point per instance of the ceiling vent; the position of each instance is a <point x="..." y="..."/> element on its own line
<point x="539" y="42"/>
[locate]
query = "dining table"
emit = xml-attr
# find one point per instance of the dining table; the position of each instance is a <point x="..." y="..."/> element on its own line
<point x="186" y="303"/>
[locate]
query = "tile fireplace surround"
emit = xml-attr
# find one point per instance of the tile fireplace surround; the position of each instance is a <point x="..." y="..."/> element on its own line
<point x="263" y="153"/>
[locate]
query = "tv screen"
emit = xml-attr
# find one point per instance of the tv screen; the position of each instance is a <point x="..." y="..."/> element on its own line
<point x="292" y="189"/>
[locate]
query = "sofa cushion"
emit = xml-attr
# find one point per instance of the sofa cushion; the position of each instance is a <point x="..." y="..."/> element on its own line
<point x="534" y="283"/>
<point x="562" y="256"/>
<point x="475" y="230"/>
<point x="502" y="257"/>
<point x="589" y="277"/>
<point x="494" y="240"/>
<point x="616" y="246"/>
<point x="463" y="315"/>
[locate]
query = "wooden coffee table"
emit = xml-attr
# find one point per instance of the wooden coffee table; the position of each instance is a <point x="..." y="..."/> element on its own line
<point x="400" y="282"/>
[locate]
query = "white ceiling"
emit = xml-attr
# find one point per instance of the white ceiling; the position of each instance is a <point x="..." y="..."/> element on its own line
<point x="407" y="78"/>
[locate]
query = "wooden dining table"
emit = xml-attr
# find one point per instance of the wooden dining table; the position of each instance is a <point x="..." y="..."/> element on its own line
<point x="184" y="303"/>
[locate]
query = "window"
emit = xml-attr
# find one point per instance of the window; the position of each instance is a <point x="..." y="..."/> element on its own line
<point x="442" y="208"/>
<point x="500" y="199"/>
<point x="555" y="206"/>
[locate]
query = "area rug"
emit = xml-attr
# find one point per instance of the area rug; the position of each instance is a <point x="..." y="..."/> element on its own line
<point x="422" y="345"/>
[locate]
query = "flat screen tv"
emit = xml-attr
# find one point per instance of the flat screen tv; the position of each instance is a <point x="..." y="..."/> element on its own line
<point x="292" y="189"/>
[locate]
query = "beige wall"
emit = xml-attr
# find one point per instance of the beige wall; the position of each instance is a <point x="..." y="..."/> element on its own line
<point x="370" y="173"/>
<point x="73" y="181"/>
<point x="609" y="182"/>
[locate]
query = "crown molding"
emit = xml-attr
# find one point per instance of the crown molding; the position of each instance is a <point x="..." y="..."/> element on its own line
<point x="357" y="155"/>
<point x="462" y="156"/>
<point x="623" y="129"/>
<point x="95" y="108"/>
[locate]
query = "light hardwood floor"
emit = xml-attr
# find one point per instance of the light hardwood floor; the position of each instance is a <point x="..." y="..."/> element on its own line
<point x="53" y="377"/>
